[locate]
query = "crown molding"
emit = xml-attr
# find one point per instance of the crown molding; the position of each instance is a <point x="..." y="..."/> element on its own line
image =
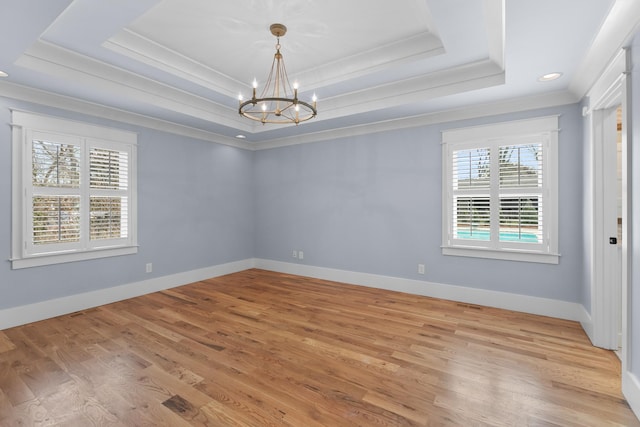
<point x="69" y="65"/>
<point x="142" y="49"/>
<point x="49" y="99"/>
<point x="467" y="77"/>
<point x="419" y="46"/>
<point x="512" y="105"/>
<point x="37" y="96"/>
<point x="57" y="61"/>
<point x="616" y="31"/>
<point x="72" y="66"/>
<point x="495" y="24"/>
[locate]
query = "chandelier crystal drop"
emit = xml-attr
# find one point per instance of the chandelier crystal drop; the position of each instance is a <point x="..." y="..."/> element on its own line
<point x="278" y="102"/>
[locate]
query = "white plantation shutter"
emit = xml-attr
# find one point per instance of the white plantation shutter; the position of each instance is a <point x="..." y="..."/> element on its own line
<point x="471" y="183"/>
<point x="521" y="219"/>
<point x="471" y="168"/>
<point x="108" y="183"/>
<point x="109" y="217"/>
<point x="56" y="219"/>
<point x="521" y="215"/>
<point x="54" y="192"/>
<point x="500" y="190"/>
<point x="75" y="196"/>
<point x="521" y="198"/>
<point x="55" y="164"/>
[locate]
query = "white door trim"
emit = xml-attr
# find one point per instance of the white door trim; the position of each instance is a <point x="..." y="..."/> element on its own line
<point x="610" y="90"/>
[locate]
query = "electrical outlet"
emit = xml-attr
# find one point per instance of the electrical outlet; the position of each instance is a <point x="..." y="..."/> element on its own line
<point x="300" y="255"/>
<point x="420" y="268"/>
<point x="149" y="267"/>
<point x="295" y="254"/>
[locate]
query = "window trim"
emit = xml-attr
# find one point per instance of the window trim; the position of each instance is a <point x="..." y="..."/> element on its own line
<point x="24" y="123"/>
<point x="487" y="134"/>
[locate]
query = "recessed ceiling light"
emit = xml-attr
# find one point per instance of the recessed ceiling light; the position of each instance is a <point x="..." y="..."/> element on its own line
<point x="240" y="136"/>
<point x="549" y="77"/>
<point x="3" y="74"/>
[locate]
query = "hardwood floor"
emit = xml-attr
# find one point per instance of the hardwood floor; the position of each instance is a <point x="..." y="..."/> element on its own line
<point x="258" y="348"/>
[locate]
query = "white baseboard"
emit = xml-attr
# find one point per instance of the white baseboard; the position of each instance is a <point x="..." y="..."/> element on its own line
<point x="21" y="315"/>
<point x="631" y="391"/>
<point x="24" y="314"/>
<point x="586" y="322"/>
<point x="509" y="301"/>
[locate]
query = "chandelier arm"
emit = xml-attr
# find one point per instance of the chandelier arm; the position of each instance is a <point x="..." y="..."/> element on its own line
<point x="308" y="110"/>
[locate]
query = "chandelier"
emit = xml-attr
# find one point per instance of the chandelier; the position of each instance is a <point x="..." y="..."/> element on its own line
<point x="277" y="103"/>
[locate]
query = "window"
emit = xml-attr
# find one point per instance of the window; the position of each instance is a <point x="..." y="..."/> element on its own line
<point x="500" y="191"/>
<point x="73" y="191"/>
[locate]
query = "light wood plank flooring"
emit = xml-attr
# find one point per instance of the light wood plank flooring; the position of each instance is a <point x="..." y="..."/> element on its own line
<point x="259" y="348"/>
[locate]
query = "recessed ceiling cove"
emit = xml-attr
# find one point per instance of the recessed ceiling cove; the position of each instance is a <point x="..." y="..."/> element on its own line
<point x="181" y="65"/>
<point x="224" y="45"/>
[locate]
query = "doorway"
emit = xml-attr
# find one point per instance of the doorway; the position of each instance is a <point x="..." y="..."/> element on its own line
<point x="609" y="209"/>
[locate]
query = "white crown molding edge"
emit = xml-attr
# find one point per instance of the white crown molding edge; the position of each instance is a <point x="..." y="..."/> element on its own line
<point x="140" y="48"/>
<point x="607" y="88"/>
<point x="464" y="78"/>
<point x="513" y="105"/>
<point x="146" y="51"/>
<point x="495" y="24"/>
<point x="631" y="391"/>
<point x="37" y="96"/>
<point x="621" y="23"/>
<point x="61" y="62"/>
<point x="419" y="46"/>
<point x="57" y="61"/>
<point x="516" y="302"/>
<point x="15" y="316"/>
<point x="423" y="45"/>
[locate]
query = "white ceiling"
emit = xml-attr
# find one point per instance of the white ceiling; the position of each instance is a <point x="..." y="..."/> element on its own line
<point x="184" y="62"/>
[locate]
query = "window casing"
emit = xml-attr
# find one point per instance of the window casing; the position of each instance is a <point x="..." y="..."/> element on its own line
<point x="500" y="191"/>
<point x="74" y="191"/>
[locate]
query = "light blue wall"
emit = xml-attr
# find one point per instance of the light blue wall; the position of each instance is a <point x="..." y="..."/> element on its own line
<point x="373" y="204"/>
<point x="367" y="203"/>
<point x="634" y="246"/>
<point x="195" y="204"/>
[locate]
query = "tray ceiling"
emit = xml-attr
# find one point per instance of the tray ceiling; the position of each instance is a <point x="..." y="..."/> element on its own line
<point x="184" y="62"/>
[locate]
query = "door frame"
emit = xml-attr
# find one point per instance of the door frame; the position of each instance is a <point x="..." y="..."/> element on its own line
<point x="611" y="89"/>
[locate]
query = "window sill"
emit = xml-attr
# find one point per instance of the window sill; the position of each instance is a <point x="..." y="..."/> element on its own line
<point x="49" y="259"/>
<point x="507" y="255"/>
